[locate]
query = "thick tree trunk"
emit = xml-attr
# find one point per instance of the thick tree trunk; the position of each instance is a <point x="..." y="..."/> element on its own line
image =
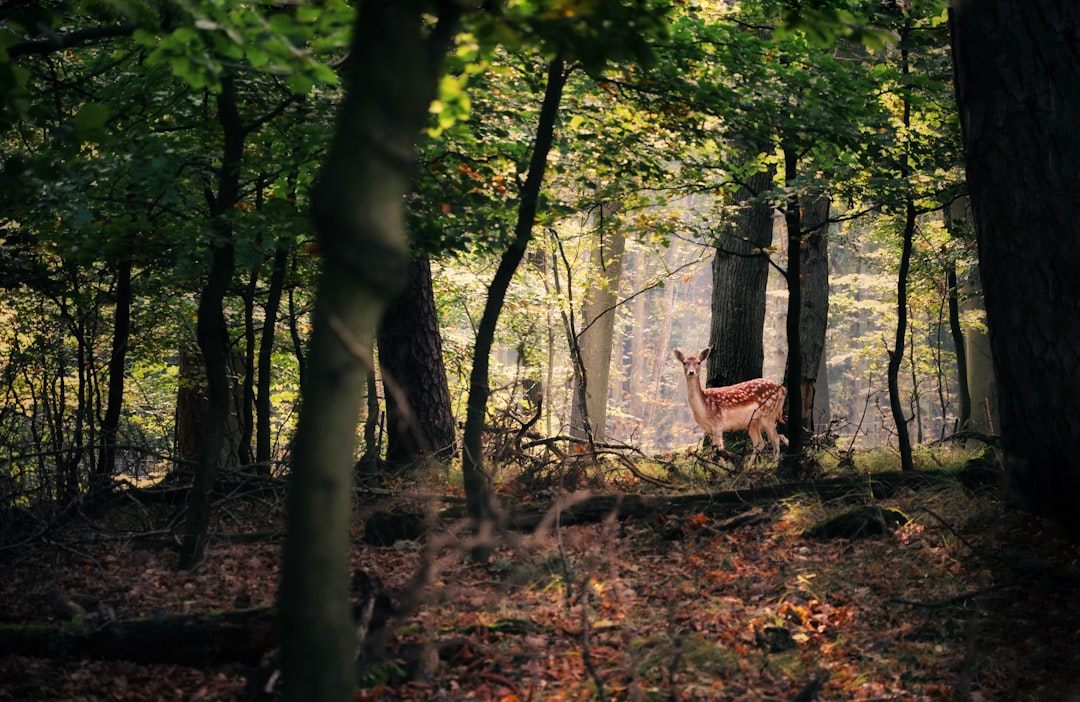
<point x="478" y="487"/>
<point x="419" y="417"/>
<point x="394" y="65"/>
<point x="740" y="276"/>
<point x="1016" y="78"/>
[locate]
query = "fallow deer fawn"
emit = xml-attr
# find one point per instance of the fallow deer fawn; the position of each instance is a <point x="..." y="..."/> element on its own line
<point x="753" y="405"/>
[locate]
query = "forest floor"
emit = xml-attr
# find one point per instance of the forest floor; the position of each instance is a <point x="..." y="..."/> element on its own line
<point x="967" y="601"/>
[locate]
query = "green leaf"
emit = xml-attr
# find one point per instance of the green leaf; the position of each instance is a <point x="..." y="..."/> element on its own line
<point x="299" y="83"/>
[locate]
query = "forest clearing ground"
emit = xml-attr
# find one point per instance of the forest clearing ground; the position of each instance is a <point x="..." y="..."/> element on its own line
<point x="965" y="602"/>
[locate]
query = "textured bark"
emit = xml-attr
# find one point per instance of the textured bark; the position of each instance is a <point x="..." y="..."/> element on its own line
<point x="394" y="64"/>
<point x="815" y="304"/>
<point x="740" y="276"/>
<point x="1016" y="77"/>
<point x="190" y="409"/>
<point x="419" y="418"/>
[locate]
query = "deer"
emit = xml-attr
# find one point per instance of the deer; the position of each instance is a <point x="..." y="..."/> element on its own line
<point x="752" y="405"/>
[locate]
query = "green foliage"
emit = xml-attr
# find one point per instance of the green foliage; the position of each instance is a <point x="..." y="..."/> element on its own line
<point x="219" y="37"/>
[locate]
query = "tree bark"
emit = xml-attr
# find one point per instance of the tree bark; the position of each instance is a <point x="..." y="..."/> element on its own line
<point x="1016" y="78"/>
<point x="740" y="275"/>
<point x="815" y="302"/>
<point x="263" y="406"/>
<point x="419" y="417"/>
<point x="595" y="338"/>
<point x="896" y="353"/>
<point x="395" y="61"/>
<point x="793" y="373"/>
<point x="114" y="404"/>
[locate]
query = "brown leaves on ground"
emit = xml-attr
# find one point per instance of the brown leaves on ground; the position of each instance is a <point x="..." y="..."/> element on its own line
<point x="965" y="602"/>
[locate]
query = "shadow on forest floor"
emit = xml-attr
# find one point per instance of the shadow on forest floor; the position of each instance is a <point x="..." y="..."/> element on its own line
<point x="964" y="602"/>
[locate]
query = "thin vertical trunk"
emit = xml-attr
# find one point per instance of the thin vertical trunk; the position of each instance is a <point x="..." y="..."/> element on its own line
<point x="110" y="425"/>
<point x="896" y="354"/>
<point x="263" y="407"/>
<point x="212" y="333"/>
<point x="478" y="489"/>
<point x="814" y="319"/>
<point x="793" y="375"/>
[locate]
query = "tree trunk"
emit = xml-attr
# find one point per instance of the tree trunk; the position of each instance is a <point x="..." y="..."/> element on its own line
<point x="190" y="410"/>
<point x="263" y="408"/>
<point x="1016" y="78"/>
<point x="243" y="374"/>
<point x="110" y="425"/>
<point x="595" y="338"/>
<point x="740" y="276"/>
<point x="395" y="62"/>
<point x="896" y="353"/>
<point x="419" y="417"/>
<point x="959" y="347"/>
<point x="814" y="319"/>
<point x="793" y="374"/>
<point x="980" y="362"/>
<point x="212" y="332"/>
<point x="477" y="481"/>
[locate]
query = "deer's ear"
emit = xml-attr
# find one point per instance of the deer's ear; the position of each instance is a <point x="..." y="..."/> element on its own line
<point x="704" y="353"/>
<point x="678" y="354"/>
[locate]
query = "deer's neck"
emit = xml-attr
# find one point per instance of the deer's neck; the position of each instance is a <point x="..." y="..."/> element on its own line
<point x="696" y="398"/>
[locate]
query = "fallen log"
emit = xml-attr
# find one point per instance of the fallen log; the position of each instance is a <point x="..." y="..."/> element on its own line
<point x="243" y="636"/>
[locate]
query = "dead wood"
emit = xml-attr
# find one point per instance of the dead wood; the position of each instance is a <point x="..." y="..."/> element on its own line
<point x="192" y="639"/>
<point x="854" y="488"/>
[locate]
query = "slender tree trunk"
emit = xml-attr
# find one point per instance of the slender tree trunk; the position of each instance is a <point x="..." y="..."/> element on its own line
<point x="419" y="417"/>
<point x="740" y="278"/>
<point x="980" y="361"/>
<point x="212" y="332"/>
<point x="896" y="354"/>
<point x="814" y="319"/>
<point x="263" y="406"/>
<point x="478" y="489"/>
<point x="395" y="61"/>
<point x="959" y="347"/>
<point x="1016" y="78"/>
<point x="792" y="459"/>
<point x="110" y="425"/>
<point x="244" y="375"/>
